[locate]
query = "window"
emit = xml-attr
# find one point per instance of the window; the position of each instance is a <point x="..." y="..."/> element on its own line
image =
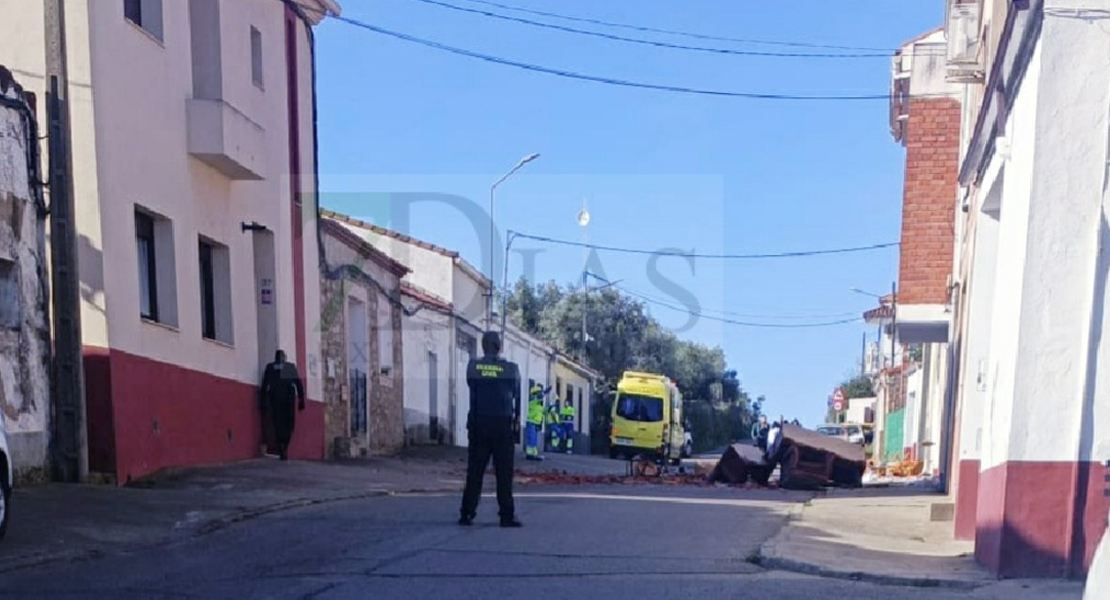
<point x="157" y="277"/>
<point x="635" y="407"/>
<point x="11" y="296"/>
<point x="558" y="388"/>
<point x="148" y="266"/>
<point x="256" y="57"/>
<point x="147" y="14"/>
<point x="385" y="334"/>
<point x="215" y="291"/>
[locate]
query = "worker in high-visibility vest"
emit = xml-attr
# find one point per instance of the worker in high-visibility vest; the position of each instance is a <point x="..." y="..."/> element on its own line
<point x="554" y="427"/>
<point x="568" y="426"/>
<point x="534" y="425"/>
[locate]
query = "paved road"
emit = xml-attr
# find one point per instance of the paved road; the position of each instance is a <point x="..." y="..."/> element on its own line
<point x="612" y="544"/>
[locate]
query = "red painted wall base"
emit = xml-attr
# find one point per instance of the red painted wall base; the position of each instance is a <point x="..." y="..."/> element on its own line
<point x="967" y="499"/>
<point x="145" y="415"/>
<point x="1025" y="525"/>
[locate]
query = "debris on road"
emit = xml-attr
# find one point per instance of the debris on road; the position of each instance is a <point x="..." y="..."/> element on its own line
<point x="562" y="478"/>
<point x="808" y="460"/>
<point x="742" y="463"/>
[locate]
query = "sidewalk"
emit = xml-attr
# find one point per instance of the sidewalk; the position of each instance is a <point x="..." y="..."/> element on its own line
<point x="886" y="536"/>
<point x="53" y="522"/>
<point x="68" y="522"/>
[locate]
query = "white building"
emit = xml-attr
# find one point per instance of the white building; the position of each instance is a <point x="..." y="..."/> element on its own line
<point x="428" y="332"/>
<point x="1029" y="300"/>
<point x="441" y="283"/>
<point x="191" y="119"/>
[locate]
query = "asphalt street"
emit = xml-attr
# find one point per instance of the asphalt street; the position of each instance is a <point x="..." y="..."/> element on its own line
<point x="611" y="543"/>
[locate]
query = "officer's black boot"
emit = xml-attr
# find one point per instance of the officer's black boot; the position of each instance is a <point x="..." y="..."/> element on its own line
<point x="466" y="520"/>
<point x="511" y="522"/>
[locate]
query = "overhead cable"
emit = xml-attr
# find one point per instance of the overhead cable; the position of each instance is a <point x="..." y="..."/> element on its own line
<point x="614" y="81"/>
<point x="619" y="38"/>
<point x="766" y="255"/>
<point x="702" y="315"/>
<point x="699" y="36"/>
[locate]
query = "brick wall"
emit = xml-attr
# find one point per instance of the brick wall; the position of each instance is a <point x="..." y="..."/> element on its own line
<point x="929" y="201"/>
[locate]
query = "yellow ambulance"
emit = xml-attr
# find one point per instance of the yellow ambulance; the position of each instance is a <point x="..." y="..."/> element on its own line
<point x="647" y="418"/>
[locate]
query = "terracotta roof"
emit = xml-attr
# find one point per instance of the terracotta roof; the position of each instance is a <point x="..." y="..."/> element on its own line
<point x="352" y="241"/>
<point x="424" y="296"/>
<point x="386" y="232"/>
<point x="880" y="313"/>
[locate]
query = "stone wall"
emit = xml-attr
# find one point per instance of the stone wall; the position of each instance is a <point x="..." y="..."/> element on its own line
<point x="351" y="274"/>
<point x="24" y="327"/>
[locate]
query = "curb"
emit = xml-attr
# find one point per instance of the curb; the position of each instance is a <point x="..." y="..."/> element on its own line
<point x="205" y="528"/>
<point x="803" y="568"/>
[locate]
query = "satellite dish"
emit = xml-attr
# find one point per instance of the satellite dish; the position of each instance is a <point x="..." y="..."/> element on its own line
<point x="584" y="218"/>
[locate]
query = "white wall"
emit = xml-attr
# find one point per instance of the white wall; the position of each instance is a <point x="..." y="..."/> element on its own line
<point x="431" y="270"/>
<point x="1010" y="276"/>
<point x="974" y="379"/>
<point x="130" y="147"/>
<point x="468" y="295"/>
<point x="912" y="424"/>
<point x="532" y="357"/>
<point x="426" y="331"/>
<point x="1060" y="142"/>
<point x="857" y="409"/>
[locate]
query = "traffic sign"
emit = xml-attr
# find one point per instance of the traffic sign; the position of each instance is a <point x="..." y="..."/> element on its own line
<point x="838" y="405"/>
<point x="838" y="396"/>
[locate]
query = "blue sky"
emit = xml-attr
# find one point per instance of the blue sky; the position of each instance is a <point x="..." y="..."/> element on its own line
<point x="658" y="169"/>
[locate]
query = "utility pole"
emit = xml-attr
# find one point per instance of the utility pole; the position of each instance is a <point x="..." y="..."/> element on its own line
<point x="893" y="318"/>
<point x="69" y="445"/>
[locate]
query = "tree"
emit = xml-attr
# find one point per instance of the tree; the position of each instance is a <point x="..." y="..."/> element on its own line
<point x="858" y="387"/>
<point x="623" y="336"/>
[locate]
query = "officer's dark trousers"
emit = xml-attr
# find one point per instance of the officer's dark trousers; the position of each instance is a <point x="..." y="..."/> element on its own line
<point x="489" y="438"/>
<point x="285" y="418"/>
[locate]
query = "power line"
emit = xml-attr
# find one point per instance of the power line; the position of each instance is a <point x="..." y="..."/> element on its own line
<point x="687" y="34"/>
<point x="619" y="38"/>
<point x="793" y="254"/>
<point x="783" y="317"/>
<point x="607" y="80"/>
<point x="702" y="315"/>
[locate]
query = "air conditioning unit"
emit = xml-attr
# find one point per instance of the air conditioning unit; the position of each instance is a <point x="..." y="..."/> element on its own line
<point x="964" y="62"/>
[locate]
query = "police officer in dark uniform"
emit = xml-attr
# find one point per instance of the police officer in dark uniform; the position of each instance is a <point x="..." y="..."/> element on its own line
<point x="281" y="388"/>
<point x="492" y="425"/>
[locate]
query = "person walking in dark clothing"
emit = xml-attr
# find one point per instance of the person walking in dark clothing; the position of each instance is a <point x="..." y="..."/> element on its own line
<point x="492" y="426"/>
<point x="281" y="389"/>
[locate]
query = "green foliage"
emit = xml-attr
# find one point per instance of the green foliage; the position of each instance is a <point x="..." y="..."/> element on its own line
<point x="623" y="336"/>
<point x="858" y="387"/>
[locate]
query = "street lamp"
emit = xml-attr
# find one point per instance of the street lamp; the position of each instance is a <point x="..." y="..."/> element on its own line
<point x="584" y="222"/>
<point x="492" y="232"/>
<point x="859" y="291"/>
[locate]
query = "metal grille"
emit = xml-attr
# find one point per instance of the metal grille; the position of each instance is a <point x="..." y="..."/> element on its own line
<point x="358" y="403"/>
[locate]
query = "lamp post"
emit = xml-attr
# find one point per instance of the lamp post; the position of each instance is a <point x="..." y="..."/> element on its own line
<point x="492" y="233"/>
<point x="584" y="222"/>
